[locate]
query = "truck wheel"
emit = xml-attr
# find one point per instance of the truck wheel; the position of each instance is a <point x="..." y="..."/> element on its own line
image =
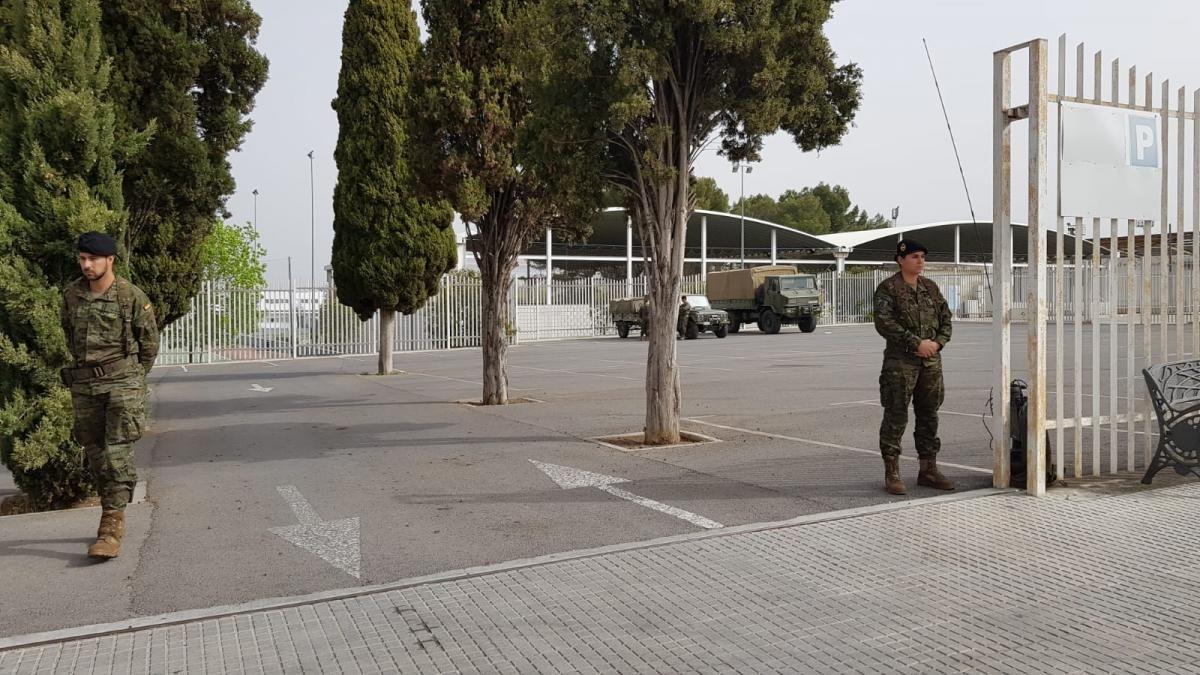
<point x="735" y="326"/>
<point x="807" y="324"/>
<point x="692" y="331"/>
<point x="622" y="330"/>
<point x="721" y="331"/>
<point x="769" y="322"/>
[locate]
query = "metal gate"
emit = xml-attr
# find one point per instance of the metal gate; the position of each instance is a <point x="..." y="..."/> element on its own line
<point x="1137" y="275"/>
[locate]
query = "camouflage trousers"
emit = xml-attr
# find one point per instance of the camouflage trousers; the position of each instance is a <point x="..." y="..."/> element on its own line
<point x="902" y="383"/>
<point x="107" y="425"/>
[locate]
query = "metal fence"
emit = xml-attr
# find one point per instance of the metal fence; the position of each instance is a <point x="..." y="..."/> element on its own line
<point x="1135" y="289"/>
<point x="238" y="324"/>
<point x="246" y="324"/>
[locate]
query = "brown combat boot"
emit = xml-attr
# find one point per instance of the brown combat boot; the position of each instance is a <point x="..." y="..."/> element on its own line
<point x="108" y="537"/>
<point x="929" y="475"/>
<point x="892" y="482"/>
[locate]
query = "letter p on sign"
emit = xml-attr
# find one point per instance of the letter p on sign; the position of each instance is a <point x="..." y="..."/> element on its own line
<point x="1143" y="141"/>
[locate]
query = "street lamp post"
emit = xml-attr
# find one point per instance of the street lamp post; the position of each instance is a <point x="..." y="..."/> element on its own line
<point x="312" y="251"/>
<point x="255" y="193"/>
<point x="312" y="225"/>
<point x="743" y="168"/>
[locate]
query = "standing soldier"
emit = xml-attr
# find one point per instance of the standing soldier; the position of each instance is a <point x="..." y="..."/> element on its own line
<point x="681" y="319"/>
<point x="912" y="315"/>
<point x="112" y="336"/>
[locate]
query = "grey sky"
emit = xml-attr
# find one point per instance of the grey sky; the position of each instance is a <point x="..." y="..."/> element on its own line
<point x="898" y="153"/>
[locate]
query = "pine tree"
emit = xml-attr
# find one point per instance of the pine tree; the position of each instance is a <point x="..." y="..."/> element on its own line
<point x="390" y="247"/>
<point x="486" y="147"/>
<point x="58" y="178"/>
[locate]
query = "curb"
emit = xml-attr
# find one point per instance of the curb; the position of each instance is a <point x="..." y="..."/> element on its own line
<point x="139" y="497"/>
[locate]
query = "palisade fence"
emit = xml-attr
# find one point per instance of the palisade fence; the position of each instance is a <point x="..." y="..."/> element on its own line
<point x="238" y="324"/>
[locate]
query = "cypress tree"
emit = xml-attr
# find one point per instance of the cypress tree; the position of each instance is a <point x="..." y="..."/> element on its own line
<point x="58" y="178"/>
<point x="390" y="246"/>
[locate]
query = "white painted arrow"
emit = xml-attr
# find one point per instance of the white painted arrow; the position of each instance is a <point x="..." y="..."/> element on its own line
<point x="334" y="541"/>
<point x="569" y="478"/>
<point x="260" y="388"/>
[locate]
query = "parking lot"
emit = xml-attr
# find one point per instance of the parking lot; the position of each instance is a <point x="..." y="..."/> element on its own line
<point x="410" y="481"/>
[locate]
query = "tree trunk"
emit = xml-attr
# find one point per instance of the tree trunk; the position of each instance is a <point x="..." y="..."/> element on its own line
<point x="663" y="390"/>
<point x="387" y="334"/>
<point x="664" y="215"/>
<point x="497" y="283"/>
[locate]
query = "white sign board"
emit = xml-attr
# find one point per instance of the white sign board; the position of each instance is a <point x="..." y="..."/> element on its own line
<point x="1111" y="163"/>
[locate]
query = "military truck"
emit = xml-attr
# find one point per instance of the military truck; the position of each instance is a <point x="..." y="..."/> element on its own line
<point x="628" y="313"/>
<point x="632" y="313"/>
<point x="769" y="295"/>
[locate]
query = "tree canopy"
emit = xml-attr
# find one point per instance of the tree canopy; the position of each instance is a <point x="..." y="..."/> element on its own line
<point x="188" y="71"/>
<point x="232" y="255"/>
<point x="58" y="179"/>
<point x="649" y="85"/>
<point x="492" y="146"/>
<point x="709" y="195"/>
<point x="823" y="209"/>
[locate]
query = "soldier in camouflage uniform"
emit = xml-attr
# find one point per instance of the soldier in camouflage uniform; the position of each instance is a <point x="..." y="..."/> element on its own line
<point x="681" y="317"/>
<point x="912" y="315"/>
<point x="113" y="340"/>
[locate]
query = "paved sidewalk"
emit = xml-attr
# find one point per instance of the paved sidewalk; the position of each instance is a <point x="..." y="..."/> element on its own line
<point x="984" y="582"/>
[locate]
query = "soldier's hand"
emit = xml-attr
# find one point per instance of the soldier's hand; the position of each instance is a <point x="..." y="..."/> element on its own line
<point x="927" y="349"/>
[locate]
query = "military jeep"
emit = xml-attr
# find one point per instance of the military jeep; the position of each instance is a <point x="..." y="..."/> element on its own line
<point x="701" y="317"/>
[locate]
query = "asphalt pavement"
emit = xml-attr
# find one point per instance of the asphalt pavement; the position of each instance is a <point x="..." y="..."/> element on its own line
<point x="281" y="478"/>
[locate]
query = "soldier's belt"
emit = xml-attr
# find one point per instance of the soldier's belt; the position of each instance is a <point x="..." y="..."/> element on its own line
<point x="86" y="373"/>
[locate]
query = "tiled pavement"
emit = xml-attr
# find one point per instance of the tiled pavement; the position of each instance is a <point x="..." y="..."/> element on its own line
<point x="992" y="583"/>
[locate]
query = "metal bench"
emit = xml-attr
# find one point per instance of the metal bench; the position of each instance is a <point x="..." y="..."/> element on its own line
<point x="1175" y="391"/>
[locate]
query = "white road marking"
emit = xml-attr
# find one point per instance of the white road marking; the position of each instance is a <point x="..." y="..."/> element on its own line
<point x="441" y="377"/>
<point x="573" y="372"/>
<point x="184" y="368"/>
<point x="261" y="389"/>
<point x="875" y="404"/>
<point x="335" y="541"/>
<point x="823" y="444"/>
<point x="271" y="363"/>
<point x="569" y="478"/>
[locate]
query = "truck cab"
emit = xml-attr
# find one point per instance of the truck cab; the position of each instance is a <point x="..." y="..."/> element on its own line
<point x="796" y="298"/>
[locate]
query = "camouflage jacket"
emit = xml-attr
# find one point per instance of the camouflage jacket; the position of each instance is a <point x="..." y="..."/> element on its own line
<point x="115" y="324"/>
<point x="906" y="315"/>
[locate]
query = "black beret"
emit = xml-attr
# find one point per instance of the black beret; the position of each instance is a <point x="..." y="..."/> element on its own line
<point x="97" y="243"/>
<point x="906" y="246"/>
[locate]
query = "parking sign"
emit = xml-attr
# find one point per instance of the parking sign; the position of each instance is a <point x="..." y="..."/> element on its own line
<point x="1143" y="141"/>
<point x="1110" y="161"/>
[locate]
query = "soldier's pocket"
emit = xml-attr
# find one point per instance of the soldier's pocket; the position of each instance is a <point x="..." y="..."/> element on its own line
<point x="891" y="389"/>
<point x="132" y="415"/>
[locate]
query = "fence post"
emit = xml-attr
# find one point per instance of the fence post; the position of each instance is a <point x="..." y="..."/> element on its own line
<point x="448" y="319"/>
<point x="208" y="324"/>
<point x="512" y="311"/>
<point x="835" y="296"/>
<point x="292" y="332"/>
